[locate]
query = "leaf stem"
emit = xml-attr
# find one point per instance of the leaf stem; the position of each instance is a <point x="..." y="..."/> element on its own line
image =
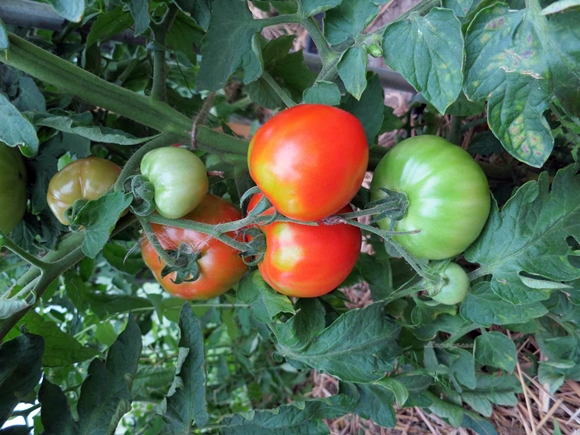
<point x="158" y="91"/>
<point x="279" y="91"/>
<point x="150" y="234"/>
<point x="455" y="131"/>
<point x="326" y="54"/>
<point x="477" y="273"/>
<point x="31" y="259"/>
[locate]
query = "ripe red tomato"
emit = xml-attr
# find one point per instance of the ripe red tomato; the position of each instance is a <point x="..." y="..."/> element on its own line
<point x="309" y="160"/>
<point x="220" y="265"/>
<point x="307" y="261"/>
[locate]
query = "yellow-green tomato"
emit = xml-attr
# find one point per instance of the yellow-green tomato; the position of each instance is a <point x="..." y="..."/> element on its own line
<point x="179" y="178"/>
<point x="447" y="193"/>
<point x="12" y="188"/>
<point x="456" y="285"/>
<point x="88" y="179"/>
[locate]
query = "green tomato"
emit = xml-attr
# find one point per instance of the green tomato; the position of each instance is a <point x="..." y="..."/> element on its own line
<point x="455" y="287"/>
<point x="447" y="192"/>
<point x="12" y="188"/>
<point x="179" y="179"/>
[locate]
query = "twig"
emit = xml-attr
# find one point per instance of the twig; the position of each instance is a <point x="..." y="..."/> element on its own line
<point x="201" y="118"/>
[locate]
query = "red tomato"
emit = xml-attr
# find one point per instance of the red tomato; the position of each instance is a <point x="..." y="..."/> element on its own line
<point x="220" y="265"/>
<point x="309" y="160"/>
<point x="307" y="261"/>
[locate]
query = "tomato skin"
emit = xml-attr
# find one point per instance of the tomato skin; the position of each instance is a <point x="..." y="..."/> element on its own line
<point x="455" y="289"/>
<point x="220" y="265"/>
<point x="179" y="178"/>
<point x="12" y="188"/>
<point x="307" y="261"/>
<point x="88" y="178"/>
<point x="309" y="160"/>
<point x="447" y="191"/>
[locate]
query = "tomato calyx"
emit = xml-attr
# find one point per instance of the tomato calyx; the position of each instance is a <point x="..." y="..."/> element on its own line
<point x="143" y="195"/>
<point x="394" y="206"/>
<point x="72" y="213"/>
<point x="184" y="264"/>
<point x="256" y="246"/>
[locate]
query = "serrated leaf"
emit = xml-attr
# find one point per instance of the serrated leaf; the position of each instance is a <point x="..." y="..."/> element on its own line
<point x="60" y="349"/>
<point x="55" y="412"/>
<point x="360" y="346"/>
<point x="449" y="411"/>
<point x="313" y="7"/>
<point x="348" y="20"/>
<point x="71" y="10"/>
<point x="496" y="350"/>
<point x="199" y="10"/>
<point x="428" y="52"/>
<point x="186" y="402"/>
<point x="140" y="11"/>
<point x="352" y="70"/>
<point x="499" y="390"/>
<point x="514" y="59"/>
<point x="295" y="418"/>
<point x="99" y="218"/>
<point x="483" y="307"/>
<point x="477" y="424"/>
<point x="30" y="97"/>
<point x="397" y="388"/>
<point x="106" y="392"/>
<point x="184" y="34"/>
<point x="375" y="402"/>
<point x="322" y="93"/>
<point x="369" y="109"/>
<point x="16" y="129"/>
<point x="109" y="24"/>
<point x="267" y="304"/>
<point x="75" y="125"/>
<point x="305" y="325"/>
<point x="20" y="370"/>
<point x="150" y="380"/>
<point x="229" y="44"/>
<point x="462" y="369"/>
<point x="377" y="274"/>
<point x="529" y="235"/>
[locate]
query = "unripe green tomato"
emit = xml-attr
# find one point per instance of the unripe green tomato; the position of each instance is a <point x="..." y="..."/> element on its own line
<point x="179" y="178"/>
<point x="456" y="286"/>
<point x="12" y="188"/>
<point x="447" y="192"/>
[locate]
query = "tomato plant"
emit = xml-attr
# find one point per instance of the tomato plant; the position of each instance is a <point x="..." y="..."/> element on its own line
<point x="447" y="193"/>
<point x="307" y="261"/>
<point x="88" y="178"/>
<point x="12" y="188"/>
<point x="309" y="160"/>
<point x="179" y="179"/>
<point x="455" y="285"/>
<point x="220" y="265"/>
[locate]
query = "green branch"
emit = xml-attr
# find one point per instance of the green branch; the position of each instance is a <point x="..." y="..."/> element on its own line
<point x="279" y="91"/>
<point x="82" y="84"/>
<point x="30" y="259"/>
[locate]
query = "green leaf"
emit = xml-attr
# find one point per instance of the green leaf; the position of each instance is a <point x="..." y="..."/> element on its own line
<point x="360" y="346"/>
<point x="267" y="304"/>
<point x="295" y="418"/>
<point x="428" y="52"/>
<point x="304" y="326"/>
<point x="99" y="218"/>
<point x="500" y="390"/>
<point x="183" y="35"/>
<point x="105" y="305"/>
<point x="477" y="424"/>
<point x="77" y="124"/>
<point x="483" y="307"/>
<point x="352" y="70"/>
<point x="348" y="20"/>
<point x="515" y="60"/>
<point x="152" y="381"/>
<point x="30" y="97"/>
<point x="186" y="403"/>
<point x="109" y="24"/>
<point x="4" y="43"/>
<point x="60" y="349"/>
<point x="123" y="259"/>
<point x="369" y="109"/>
<point x="140" y="11"/>
<point x="106" y="392"/>
<point x="462" y="369"/>
<point x="463" y="107"/>
<point x="453" y="413"/>
<point x="396" y="387"/>
<point x="496" y="350"/>
<point x="55" y="412"/>
<point x="377" y="274"/>
<point x="313" y="7"/>
<point x="391" y="122"/>
<point x="229" y="45"/>
<point x="16" y="129"/>
<point x="560" y="6"/>
<point x="485" y="143"/>
<point x="71" y="10"/>
<point x="322" y="93"/>
<point x="20" y="370"/>
<point x="199" y="10"/>
<point x="535" y="220"/>
<point x="461" y="8"/>
<point x="375" y="402"/>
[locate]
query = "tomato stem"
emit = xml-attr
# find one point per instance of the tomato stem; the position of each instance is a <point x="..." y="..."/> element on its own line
<point x="30" y="259"/>
<point x="279" y="91"/>
<point x="326" y="54"/>
<point x="150" y="234"/>
<point x="158" y="90"/>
